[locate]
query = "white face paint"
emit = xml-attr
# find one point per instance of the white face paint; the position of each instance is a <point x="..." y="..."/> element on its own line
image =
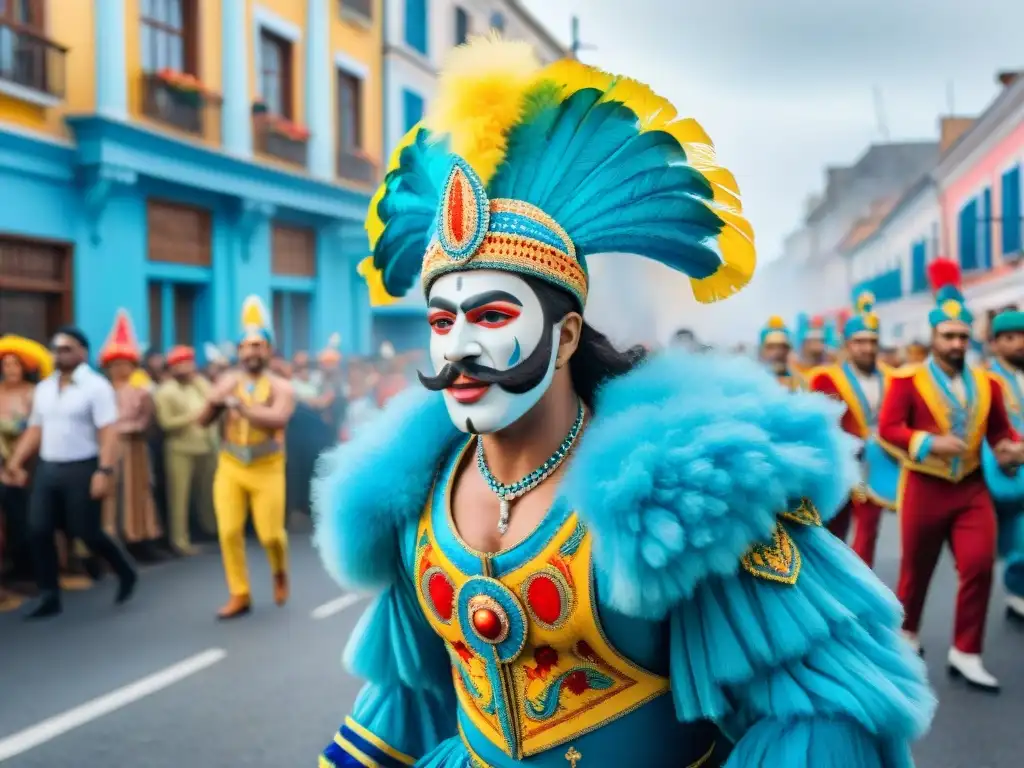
<point x="495" y="320"/>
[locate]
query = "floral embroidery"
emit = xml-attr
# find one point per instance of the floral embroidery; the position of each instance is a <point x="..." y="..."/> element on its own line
<point x="577" y="680"/>
<point x="778" y="561"/>
<point x="545" y="657"/>
<point x="460" y="648"/>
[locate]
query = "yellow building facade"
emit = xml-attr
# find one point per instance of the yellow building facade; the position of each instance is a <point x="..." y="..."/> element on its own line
<point x="228" y="147"/>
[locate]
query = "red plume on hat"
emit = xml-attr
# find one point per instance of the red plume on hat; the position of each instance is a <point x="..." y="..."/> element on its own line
<point x="122" y="343"/>
<point x="818" y="321"/>
<point x="943" y="273"/>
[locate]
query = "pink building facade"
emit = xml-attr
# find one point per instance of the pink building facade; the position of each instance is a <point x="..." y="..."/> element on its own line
<point x="981" y="188"/>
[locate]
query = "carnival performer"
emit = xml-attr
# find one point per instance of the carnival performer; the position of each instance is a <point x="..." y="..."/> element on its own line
<point x="937" y="414"/>
<point x="256" y="406"/>
<point x="776" y="350"/>
<point x="129" y="513"/>
<point x="1007" y="368"/>
<point x="190" y="450"/>
<point x="811" y="344"/>
<point x="22" y="363"/>
<point x="858" y="383"/>
<point x="588" y="558"/>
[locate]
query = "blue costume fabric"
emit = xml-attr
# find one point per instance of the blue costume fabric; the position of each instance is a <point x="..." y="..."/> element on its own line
<point x="700" y="487"/>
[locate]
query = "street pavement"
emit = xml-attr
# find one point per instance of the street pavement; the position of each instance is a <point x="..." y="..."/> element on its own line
<point x="161" y="684"/>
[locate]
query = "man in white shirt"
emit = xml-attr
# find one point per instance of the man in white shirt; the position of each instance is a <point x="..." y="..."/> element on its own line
<point x="72" y="429"/>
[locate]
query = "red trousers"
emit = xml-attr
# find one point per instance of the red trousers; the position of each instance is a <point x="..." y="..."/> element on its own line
<point x="934" y="511"/>
<point x="866" y="518"/>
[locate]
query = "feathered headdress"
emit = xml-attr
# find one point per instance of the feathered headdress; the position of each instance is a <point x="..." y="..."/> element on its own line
<point x="256" y="321"/>
<point x="775" y="332"/>
<point x="121" y="343"/>
<point x="331" y="354"/>
<point x="944" y="276"/>
<point x="863" y="323"/>
<point x="532" y="169"/>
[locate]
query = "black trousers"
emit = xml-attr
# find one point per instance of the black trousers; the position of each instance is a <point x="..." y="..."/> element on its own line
<point x="61" y="493"/>
<point x="17" y="560"/>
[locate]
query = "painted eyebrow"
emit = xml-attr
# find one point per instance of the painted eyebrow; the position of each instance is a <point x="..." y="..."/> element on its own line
<point x="488" y="297"/>
<point x="444" y="304"/>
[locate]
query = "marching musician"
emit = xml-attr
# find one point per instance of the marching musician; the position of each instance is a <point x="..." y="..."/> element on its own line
<point x="775" y="349"/>
<point x="859" y="382"/>
<point x="937" y="415"/>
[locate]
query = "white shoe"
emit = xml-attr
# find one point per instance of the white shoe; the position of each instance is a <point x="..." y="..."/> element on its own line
<point x="914" y="642"/>
<point x="969" y="667"/>
<point x="1015" y="607"/>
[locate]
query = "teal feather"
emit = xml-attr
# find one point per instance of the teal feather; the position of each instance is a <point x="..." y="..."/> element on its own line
<point x="409" y="211"/>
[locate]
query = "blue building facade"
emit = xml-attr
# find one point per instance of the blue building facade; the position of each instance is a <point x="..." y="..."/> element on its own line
<point x="179" y="232"/>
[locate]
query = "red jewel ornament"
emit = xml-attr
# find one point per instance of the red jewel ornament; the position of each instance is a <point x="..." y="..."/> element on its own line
<point x="487" y="623"/>
<point x="545" y="599"/>
<point x="442" y="595"/>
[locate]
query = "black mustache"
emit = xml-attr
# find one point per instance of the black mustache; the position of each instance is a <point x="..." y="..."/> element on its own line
<point x="517" y="380"/>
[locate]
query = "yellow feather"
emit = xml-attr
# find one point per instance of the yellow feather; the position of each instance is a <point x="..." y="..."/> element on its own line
<point x="379" y="296"/>
<point x="736" y="245"/>
<point x="480" y="99"/>
<point x="655" y="113"/>
<point x="776" y="323"/>
<point x="575" y="76"/>
<point x="254" y="313"/>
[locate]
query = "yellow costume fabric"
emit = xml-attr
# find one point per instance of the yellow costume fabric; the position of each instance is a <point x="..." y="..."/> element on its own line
<point x="258" y="485"/>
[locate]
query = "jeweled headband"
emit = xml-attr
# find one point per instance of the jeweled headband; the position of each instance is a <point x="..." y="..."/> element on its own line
<point x="474" y="232"/>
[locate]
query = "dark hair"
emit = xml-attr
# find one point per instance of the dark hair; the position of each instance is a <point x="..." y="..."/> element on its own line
<point x="75" y="333"/>
<point x="596" y="360"/>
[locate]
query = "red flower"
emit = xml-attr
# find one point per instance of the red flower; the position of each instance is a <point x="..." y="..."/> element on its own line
<point x="460" y="648"/>
<point x="546" y="657"/>
<point x="577" y="682"/>
<point x="584" y="650"/>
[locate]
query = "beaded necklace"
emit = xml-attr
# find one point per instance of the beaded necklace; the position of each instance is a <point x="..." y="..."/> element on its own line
<point x="508" y="493"/>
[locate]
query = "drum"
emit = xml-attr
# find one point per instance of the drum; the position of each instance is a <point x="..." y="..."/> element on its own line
<point x="882" y="474"/>
<point x="1005" y="489"/>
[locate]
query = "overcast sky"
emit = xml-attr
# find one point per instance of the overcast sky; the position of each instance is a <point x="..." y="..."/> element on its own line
<point x="785" y="87"/>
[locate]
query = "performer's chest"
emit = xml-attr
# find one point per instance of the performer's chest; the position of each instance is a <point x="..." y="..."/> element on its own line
<point x="532" y="665"/>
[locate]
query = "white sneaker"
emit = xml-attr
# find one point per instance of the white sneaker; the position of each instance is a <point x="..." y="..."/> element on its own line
<point x="914" y="642"/>
<point x="969" y="667"/>
<point x="1015" y="607"/>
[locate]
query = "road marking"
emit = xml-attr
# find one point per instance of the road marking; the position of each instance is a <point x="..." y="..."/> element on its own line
<point x="56" y="726"/>
<point x="337" y="605"/>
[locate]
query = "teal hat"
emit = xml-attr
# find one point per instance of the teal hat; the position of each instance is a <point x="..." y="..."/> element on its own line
<point x="864" y="322"/>
<point x="1008" y="322"/>
<point x="775" y="332"/>
<point x="944" y="276"/>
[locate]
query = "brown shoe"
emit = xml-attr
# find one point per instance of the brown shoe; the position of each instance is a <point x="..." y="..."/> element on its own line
<point x="281" y="588"/>
<point x="237" y="605"/>
<point x="9" y="601"/>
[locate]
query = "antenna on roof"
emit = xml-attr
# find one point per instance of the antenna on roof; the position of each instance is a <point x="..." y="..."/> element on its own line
<point x="883" y="128"/>
<point x="577" y="44"/>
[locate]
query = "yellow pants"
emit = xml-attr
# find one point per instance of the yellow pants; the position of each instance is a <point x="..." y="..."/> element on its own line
<point x="237" y="488"/>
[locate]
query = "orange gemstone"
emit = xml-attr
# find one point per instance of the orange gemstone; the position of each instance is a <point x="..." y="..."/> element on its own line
<point x="487" y="623"/>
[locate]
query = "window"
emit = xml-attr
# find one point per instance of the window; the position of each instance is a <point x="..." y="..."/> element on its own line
<point x="497" y="22"/>
<point x="292" y="330"/>
<point x="461" y="25"/>
<point x="276" y="74"/>
<point x="416" y="25"/>
<point x="1012" y="212"/>
<point x="23" y="13"/>
<point x="985" y="230"/>
<point x="169" y="39"/>
<point x="172" y="314"/>
<point x="412" y="109"/>
<point x="350" y="111"/>
<point x="967" y="234"/>
<point x="919" y="266"/>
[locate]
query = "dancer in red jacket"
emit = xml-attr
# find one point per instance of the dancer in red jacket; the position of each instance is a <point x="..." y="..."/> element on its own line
<point x="936" y="415"/>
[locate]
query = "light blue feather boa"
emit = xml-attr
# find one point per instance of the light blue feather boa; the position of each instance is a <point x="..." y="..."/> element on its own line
<point x="687" y="462"/>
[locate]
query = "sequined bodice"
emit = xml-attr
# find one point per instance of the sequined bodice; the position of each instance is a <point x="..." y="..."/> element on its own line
<point x="532" y="665"/>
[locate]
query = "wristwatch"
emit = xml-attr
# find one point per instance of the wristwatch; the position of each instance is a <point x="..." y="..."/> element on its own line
<point x="105" y="470"/>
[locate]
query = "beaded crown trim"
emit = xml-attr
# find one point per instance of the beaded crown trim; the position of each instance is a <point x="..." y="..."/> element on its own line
<point x="475" y="232"/>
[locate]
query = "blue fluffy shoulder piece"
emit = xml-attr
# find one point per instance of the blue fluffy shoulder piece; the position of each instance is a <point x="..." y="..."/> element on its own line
<point x="368" y="489"/>
<point x="688" y="463"/>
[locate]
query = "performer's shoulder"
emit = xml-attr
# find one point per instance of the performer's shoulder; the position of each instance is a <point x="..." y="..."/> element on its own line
<point x="367" y="491"/>
<point x="906" y="371"/>
<point x="686" y="467"/>
<point x="817" y="376"/>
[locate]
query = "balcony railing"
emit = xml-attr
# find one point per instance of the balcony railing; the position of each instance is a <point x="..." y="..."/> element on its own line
<point x="358" y="10"/>
<point x="29" y="60"/>
<point x="271" y="140"/>
<point x="354" y="165"/>
<point x="192" y="112"/>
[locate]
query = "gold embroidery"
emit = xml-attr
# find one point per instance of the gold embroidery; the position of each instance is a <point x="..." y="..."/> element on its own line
<point x="805" y="514"/>
<point x="778" y="561"/>
<point x="573" y="757"/>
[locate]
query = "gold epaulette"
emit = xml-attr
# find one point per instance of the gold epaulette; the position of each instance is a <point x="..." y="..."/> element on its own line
<point x="779" y="560"/>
